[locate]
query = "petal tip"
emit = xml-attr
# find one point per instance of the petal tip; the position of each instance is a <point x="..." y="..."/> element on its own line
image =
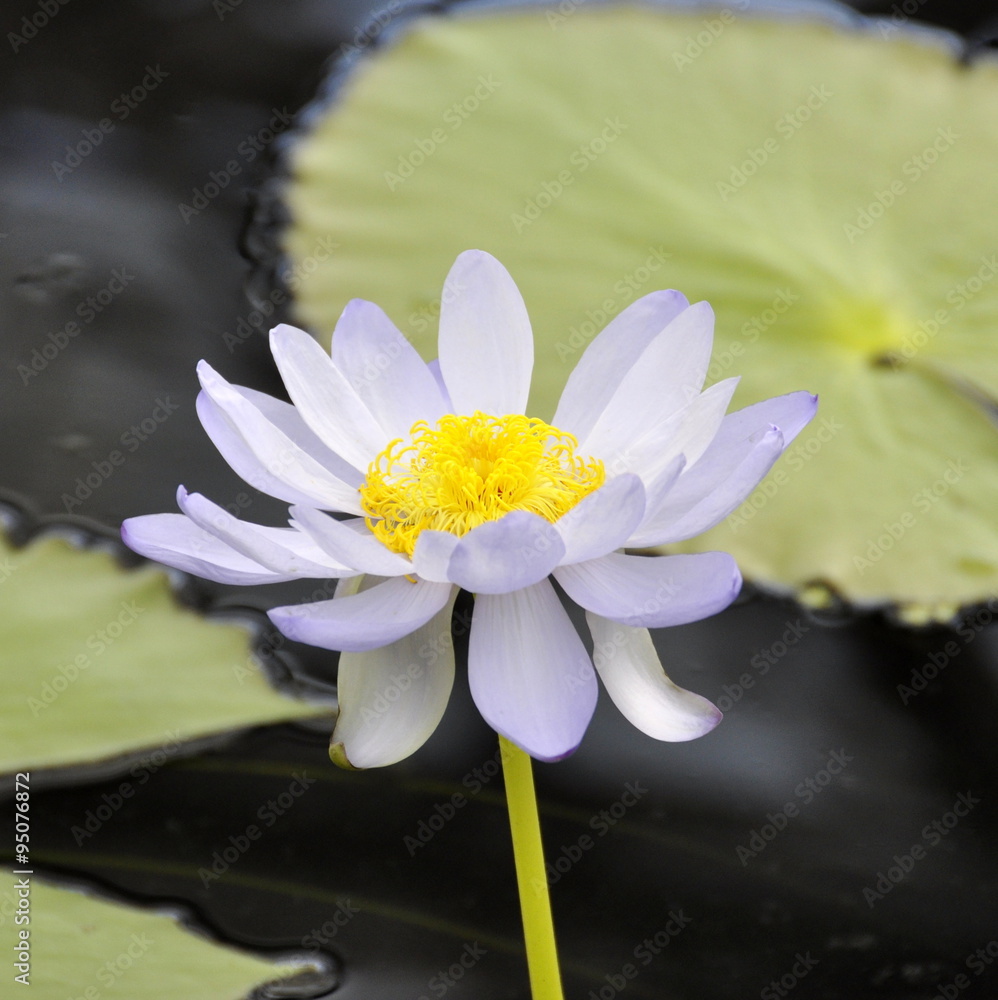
<point x="338" y="755"/>
<point x="547" y="755"/>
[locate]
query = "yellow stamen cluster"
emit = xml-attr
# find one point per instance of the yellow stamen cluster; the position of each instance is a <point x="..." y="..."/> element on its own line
<point x="468" y="470"/>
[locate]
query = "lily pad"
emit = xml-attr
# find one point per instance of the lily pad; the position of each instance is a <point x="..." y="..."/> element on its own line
<point x="825" y="184"/>
<point x="77" y="943"/>
<point x="100" y="662"/>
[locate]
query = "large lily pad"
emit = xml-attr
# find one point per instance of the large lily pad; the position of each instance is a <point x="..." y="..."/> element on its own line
<point x="827" y="187"/>
<point x="99" y="662"/>
<point x="81" y="946"/>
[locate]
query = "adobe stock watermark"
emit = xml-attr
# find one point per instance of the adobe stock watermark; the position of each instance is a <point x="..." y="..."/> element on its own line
<point x="923" y="502"/>
<point x="443" y="812"/>
<point x="623" y="291"/>
<point x="32" y="23"/>
<point x="978" y="962"/>
<point x="581" y="160"/>
<point x="898" y="16"/>
<point x="927" y="328"/>
<point x="932" y="835"/>
<point x="557" y="16"/>
<point x="778" y="988"/>
<point x="320" y="936"/>
<point x="721" y="360"/>
<point x="644" y="953"/>
<point x="113" y="969"/>
<point x="786" y="127"/>
<point x="268" y="814"/>
<point x="140" y="772"/>
<point x="368" y="32"/>
<point x="762" y="662"/>
<point x="968" y="629"/>
<point x="713" y="28"/>
<point x="247" y="152"/>
<point x="446" y="979"/>
<point x="97" y="643"/>
<point x="421" y="319"/>
<point x="101" y="470"/>
<point x="259" y="318"/>
<point x="121" y="107"/>
<point x="913" y="169"/>
<point x="87" y="310"/>
<point x="271" y="641"/>
<point x="807" y="791"/>
<point x="796" y="457"/>
<point x="453" y="118"/>
<point x="601" y="823"/>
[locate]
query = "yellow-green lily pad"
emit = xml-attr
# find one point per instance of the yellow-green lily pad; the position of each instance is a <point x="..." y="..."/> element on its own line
<point x="829" y="189"/>
<point x="99" y="662"/>
<point x="68" y="944"/>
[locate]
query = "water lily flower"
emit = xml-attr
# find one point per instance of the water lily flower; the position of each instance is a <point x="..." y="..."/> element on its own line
<point x="447" y="484"/>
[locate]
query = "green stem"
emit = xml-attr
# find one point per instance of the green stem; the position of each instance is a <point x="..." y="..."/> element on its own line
<point x="531" y="877"/>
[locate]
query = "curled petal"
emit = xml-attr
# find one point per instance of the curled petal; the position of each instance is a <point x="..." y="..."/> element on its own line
<point x="683" y="515"/>
<point x="744" y="449"/>
<point x="633" y="676"/>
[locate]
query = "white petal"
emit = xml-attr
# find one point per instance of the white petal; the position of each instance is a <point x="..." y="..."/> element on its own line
<point x="633" y="676"/>
<point x="602" y="521"/>
<point x="686" y="433"/>
<point x="516" y="551"/>
<point x="529" y="672"/>
<point x="610" y="356"/>
<point x="283" y="550"/>
<point x="486" y="346"/>
<point x="653" y="591"/>
<point x="392" y="698"/>
<point x="432" y="553"/>
<point x="438" y="377"/>
<point x="325" y="399"/>
<point x="367" y="620"/>
<point x="261" y="450"/>
<point x="660" y="486"/>
<point x="790" y="413"/>
<point x="175" y="540"/>
<point x="386" y="371"/>
<point x="742" y="452"/>
<point x="668" y="374"/>
<point x="686" y="513"/>
<point x="288" y="420"/>
<point x="358" y="549"/>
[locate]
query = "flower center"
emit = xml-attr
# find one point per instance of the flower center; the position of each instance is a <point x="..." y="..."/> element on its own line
<point x="468" y="470"/>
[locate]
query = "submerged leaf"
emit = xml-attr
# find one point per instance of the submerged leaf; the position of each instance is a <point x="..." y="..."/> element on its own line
<point x="99" y="662"/>
<point x="82" y="946"/>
